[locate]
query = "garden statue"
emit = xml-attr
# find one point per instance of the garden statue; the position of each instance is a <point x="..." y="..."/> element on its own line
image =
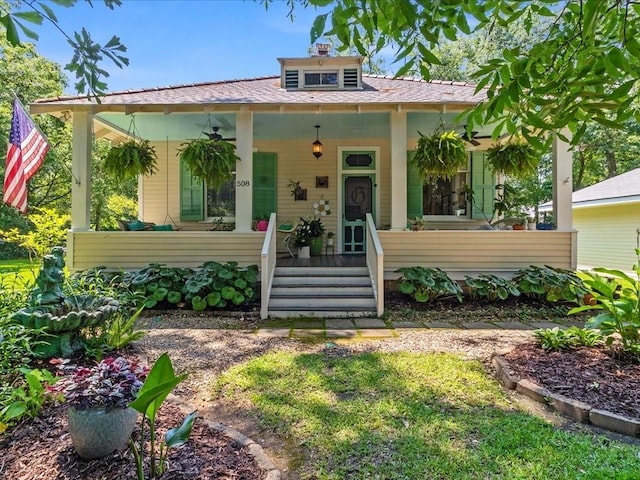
<point x="49" y="282"/>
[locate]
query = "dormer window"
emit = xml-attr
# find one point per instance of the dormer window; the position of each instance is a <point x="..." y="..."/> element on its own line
<point x="321" y="72"/>
<point x="321" y="79"/>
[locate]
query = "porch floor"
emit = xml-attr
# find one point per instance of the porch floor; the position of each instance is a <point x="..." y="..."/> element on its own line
<point x="323" y="261"/>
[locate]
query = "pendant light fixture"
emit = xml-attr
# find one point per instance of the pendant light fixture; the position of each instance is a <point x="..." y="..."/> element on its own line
<point x="317" y="145"/>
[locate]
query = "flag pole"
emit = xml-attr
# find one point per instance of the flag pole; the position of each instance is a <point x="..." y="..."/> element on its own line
<point x="15" y="96"/>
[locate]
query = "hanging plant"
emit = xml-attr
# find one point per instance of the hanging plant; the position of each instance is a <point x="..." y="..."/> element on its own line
<point x="212" y="161"/>
<point x="440" y="155"/>
<point x="129" y="159"/>
<point x="515" y="159"/>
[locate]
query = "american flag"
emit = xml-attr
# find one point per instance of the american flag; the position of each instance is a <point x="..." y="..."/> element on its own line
<point x="27" y="149"/>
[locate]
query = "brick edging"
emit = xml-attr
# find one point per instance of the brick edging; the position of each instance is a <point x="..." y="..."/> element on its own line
<point x="574" y="409"/>
<point x="255" y="450"/>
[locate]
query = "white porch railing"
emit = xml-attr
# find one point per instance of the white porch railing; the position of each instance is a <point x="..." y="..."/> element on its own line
<point x="267" y="266"/>
<point x="375" y="264"/>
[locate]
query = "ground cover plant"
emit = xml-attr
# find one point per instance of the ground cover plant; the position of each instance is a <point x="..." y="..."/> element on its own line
<point x="19" y="273"/>
<point x="404" y="415"/>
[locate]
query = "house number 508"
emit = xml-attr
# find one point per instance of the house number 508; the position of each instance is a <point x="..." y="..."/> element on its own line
<point x="243" y="183"/>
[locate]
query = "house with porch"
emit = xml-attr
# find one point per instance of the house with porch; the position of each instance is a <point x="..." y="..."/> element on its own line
<point x="367" y="126"/>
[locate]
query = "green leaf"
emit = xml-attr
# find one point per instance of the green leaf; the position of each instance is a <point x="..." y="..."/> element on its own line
<point x="32" y="17"/>
<point x="317" y="28"/>
<point x="175" y="437"/>
<point x="159" y="383"/>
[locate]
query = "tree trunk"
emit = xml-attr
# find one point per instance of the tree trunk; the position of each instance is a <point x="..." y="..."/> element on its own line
<point x="579" y="178"/>
<point x="612" y="168"/>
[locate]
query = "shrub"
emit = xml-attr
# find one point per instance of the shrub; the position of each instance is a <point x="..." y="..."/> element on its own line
<point x="491" y="287"/>
<point x="617" y="295"/>
<point x="49" y="230"/>
<point x="550" y="284"/>
<point x="427" y="284"/>
<point x="555" y="339"/>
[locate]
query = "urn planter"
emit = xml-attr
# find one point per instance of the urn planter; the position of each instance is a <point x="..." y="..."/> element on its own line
<point x="304" y="252"/>
<point x="99" y="431"/>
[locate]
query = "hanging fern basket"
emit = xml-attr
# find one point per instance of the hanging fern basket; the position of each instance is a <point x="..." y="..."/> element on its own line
<point x="129" y="159"/>
<point x="212" y="161"/>
<point x="440" y="155"/>
<point x="515" y="159"/>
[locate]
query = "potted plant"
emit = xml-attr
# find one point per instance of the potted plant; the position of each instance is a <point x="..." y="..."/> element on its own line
<point x="261" y="222"/>
<point x="330" y="236"/>
<point x="129" y="159"/>
<point x="514" y="158"/>
<point x="308" y="235"/>
<point x="212" y="161"/>
<point x="440" y="155"/>
<point x="100" y="420"/>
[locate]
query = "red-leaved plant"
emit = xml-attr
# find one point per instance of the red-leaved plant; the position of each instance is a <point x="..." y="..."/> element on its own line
<point x="112" y="383"/>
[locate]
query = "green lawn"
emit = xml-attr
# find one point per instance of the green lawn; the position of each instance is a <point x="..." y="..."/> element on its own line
<point x="18" y="273"/>
<point x="410" y="416"/>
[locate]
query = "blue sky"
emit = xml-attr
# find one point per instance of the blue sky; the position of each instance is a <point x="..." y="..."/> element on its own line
<point x="172" y="42"/>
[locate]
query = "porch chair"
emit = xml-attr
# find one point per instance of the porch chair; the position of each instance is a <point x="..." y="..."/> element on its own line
<point x="289" y="228"/>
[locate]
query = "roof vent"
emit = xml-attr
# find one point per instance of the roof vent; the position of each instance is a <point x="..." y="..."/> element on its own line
<point x="350" y="79"/>
<point x="291" y="79"/>
<point x="322" y="49"/>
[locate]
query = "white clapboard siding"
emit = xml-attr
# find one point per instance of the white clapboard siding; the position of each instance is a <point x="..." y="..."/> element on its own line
<point x="607" y="235"/>
<point x="476" y="250"/>
<point x="130" y="250"/>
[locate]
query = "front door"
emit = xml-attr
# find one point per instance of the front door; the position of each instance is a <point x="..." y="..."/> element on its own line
<point x="358" y="200"/>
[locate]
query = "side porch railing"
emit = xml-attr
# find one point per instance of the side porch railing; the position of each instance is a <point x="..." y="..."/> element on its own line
<point x="375" y="264"/>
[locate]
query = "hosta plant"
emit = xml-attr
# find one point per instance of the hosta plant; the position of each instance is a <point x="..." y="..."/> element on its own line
<point x="556" y="339"/>
<point x="428" y="284"/>
<point x="491" y="287"/>
<point x="550" y="284"/>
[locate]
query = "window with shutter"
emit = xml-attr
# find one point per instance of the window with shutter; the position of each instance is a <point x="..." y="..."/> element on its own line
<point x="414" y="189"/>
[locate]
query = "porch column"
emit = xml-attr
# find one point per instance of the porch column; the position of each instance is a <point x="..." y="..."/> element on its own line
<point x="398" y="170"/>
<point x="81" y="170"/>
<point x="562" y="183"/>
<point x="244" y="171"/>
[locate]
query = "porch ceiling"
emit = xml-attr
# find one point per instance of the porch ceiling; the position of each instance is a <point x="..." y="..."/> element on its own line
<point x="275" y="126"/>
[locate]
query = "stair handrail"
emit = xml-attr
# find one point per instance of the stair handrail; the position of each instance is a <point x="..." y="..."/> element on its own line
<point x="267" y="266"/>
<point x="375" y="264"/>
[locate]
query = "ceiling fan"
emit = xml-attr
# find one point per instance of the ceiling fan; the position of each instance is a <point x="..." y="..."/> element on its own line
<point x="214" y="135"/>
<point x="472" y="137"/>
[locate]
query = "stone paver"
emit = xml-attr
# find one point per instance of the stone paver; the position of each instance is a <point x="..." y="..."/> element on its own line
<point x="479" y="326"/>
<point x="344" y="333"/>
<point x="274" y="332"/>
<point x="369" y="323"/>
<point x="339" y="323"/>
<point x="307" y="333"/>
<point x="440" y="325"/>
<point x="514" y="326"/>
<point x="375" y="332"/>
<point x="309" y="323"/>
<point x="407" y="324"/>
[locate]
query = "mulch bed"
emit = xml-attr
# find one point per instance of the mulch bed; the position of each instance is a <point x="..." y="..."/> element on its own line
<point x="41" y="449"/>
<point x="590" y="375"/>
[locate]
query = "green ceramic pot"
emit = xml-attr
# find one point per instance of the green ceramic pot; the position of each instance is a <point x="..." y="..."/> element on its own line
<point x="316" y="246"/>
<point x="99" y="431"/>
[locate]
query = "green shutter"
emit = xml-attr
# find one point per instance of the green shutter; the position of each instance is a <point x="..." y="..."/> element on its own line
<point x="191" y="196"/>
<point x="483" y="182"/>
<point x="264" y="183"/>
<point x="414" y="189"/>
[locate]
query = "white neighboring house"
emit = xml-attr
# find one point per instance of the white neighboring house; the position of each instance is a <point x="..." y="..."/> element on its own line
<point x="607" y="217"/>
